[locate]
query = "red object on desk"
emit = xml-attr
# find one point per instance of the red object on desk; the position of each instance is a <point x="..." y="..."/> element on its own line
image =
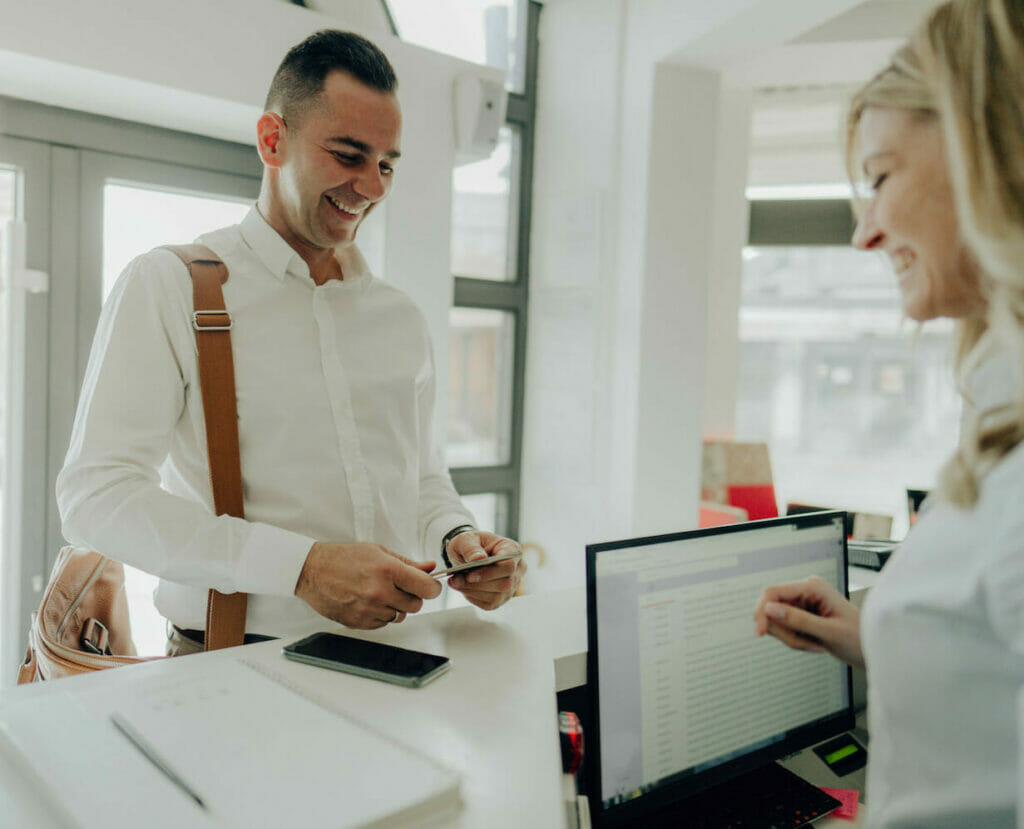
<point x="757" y="499"/>
<point x="571" y="739"/>
<point x="738" y="474"/>
<point x="849" y="798"/>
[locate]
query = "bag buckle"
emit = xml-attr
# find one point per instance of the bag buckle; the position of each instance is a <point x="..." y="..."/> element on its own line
<point x="96" y="638"/>
<point x="196" y="324"/>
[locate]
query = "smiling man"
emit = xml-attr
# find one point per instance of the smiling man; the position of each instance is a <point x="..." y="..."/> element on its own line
<point x="347" y="501"/>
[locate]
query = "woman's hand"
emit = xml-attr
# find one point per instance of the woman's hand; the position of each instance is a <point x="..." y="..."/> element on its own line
<point x="811" y="615"/>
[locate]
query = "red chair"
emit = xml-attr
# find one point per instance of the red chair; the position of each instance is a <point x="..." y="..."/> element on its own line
<point x="739" y="475"/>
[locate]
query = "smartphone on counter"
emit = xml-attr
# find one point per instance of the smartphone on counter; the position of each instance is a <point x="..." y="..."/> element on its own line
<point x="374" y="660"/>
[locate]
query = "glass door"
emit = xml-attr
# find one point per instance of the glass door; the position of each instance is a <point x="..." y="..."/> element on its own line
<point x="130" y="206"/>
<point x="24" y="240"/>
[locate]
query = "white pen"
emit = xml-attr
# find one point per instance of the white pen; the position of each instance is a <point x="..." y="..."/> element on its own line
<point x="151" y="754"/>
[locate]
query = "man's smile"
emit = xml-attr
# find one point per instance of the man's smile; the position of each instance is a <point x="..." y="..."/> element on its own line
<point x="348" y="211"/>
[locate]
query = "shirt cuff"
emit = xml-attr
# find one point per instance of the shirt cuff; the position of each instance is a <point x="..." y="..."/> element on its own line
<point x="271" y="560"/>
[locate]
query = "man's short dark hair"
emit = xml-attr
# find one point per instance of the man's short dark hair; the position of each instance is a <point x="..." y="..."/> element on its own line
<point x="299" y="79"/>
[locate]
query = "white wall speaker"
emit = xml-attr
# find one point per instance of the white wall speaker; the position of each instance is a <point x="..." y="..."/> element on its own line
<point x="479" y="113"/>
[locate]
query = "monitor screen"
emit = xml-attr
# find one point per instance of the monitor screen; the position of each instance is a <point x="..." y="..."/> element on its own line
<point x="684" y="694"/>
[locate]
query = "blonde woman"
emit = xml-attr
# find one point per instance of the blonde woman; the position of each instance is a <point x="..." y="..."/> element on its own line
<point x="938" y="137"/>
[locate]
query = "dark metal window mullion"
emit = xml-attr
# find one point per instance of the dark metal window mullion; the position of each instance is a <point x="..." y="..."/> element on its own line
<point x="512" y="297"/>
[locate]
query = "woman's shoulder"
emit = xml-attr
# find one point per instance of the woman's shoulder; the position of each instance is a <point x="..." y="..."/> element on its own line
<point x="1000" y="508"/>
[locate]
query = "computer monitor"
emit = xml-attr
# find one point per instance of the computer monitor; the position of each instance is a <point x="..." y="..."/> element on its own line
<point x="683" y="694"/>
<point x="796" y="508"/>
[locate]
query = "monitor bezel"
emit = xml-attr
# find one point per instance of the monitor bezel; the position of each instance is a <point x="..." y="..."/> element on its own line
<point x="627" y="813"/>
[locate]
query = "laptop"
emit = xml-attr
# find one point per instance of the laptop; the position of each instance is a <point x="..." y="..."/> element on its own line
<point x="872" y="553"/>
<point x="689" y="707"/>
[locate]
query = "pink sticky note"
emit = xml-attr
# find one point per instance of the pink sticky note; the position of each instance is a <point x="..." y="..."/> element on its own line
<point x="848" y="797"/>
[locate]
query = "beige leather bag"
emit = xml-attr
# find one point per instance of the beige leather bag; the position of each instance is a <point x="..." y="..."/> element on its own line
<point x="82" y="623"/>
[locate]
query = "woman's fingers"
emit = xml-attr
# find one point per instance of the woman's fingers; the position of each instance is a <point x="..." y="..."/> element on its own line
<point x="794" y="640"/>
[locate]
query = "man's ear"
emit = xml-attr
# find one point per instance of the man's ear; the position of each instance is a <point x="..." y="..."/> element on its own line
<point x="270" y="139"/>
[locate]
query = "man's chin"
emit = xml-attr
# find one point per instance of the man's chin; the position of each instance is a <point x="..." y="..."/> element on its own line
<point x="345" y="237"/>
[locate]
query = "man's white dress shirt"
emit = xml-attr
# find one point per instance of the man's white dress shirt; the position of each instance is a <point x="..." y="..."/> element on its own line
<point x="335" y="387"/>
<point x="943" y="638"/>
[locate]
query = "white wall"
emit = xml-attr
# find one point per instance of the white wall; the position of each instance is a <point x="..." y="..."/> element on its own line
<point x="574" y="280"/>
<point x="681" y="188"/>
<point x="624" y="183"/>
<point x="639" y="219"/>
<point x="191" y="65"/>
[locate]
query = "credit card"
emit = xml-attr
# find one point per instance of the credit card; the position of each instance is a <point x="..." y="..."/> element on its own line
<point x="473" y="565"/>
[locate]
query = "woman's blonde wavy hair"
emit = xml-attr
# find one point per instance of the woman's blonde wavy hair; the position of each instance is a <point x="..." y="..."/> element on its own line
<point x="965" y="67"/>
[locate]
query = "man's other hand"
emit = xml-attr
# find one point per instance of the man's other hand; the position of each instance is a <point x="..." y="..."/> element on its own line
<point x="486" y="587"/>
<point x="364" y="585"/>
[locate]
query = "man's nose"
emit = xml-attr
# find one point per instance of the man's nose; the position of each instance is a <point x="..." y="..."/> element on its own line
<point x="371" y="185"/>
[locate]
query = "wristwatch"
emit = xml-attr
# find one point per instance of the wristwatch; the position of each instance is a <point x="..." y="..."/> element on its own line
<point x="459" y="530"/>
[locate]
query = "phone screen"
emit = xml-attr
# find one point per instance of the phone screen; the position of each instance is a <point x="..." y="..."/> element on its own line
<point x="372" y="659"/>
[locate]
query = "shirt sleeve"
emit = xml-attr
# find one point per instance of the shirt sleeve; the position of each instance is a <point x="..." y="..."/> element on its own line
<point x="440" y="508"/>
<point x="133" y="395"/>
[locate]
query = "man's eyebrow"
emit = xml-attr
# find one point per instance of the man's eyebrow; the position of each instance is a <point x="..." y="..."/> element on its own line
<point x="361" y="146"/>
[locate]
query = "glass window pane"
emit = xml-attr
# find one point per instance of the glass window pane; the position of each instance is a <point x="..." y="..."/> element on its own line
<point x="489" y="509"/>
<point x="138" y="218"/>
<point x="480" y="386"/>
<point x="491" y="32"/>
<point x="853" y="407"/>
<point x="485" y="212"/>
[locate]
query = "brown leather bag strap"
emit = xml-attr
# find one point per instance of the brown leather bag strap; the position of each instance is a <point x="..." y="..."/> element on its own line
<point x="29" y="668"/>
<point x="225" y="612"/>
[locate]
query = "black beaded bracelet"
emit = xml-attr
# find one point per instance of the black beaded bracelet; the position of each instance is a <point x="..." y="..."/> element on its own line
<point x="459" y="530"/>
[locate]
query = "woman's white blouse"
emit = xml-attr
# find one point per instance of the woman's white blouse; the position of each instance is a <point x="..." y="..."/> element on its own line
<point x="943" y="637"/>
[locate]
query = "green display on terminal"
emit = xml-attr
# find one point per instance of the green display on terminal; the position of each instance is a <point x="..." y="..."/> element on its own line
<point x="838" y="755"/>
<point x="842" y="755"/>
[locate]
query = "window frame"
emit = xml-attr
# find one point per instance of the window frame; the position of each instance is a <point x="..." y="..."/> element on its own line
<point x="512" y="296"/>
<point x="62" y="224"/>
<point x="800" y="222"/>
<point x="24" y="493"/>
<point x="806" y="223"/>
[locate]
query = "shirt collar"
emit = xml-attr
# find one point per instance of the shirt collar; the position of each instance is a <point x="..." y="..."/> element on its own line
<point x="272" y="250"/>
<point x="280" y="258"/>
<point x="353" y="265"/>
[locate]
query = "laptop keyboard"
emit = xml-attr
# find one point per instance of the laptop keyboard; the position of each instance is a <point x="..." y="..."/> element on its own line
<point x="765" y="798"/>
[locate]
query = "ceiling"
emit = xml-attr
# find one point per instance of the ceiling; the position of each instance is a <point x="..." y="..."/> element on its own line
<point x="873" y="20"/>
